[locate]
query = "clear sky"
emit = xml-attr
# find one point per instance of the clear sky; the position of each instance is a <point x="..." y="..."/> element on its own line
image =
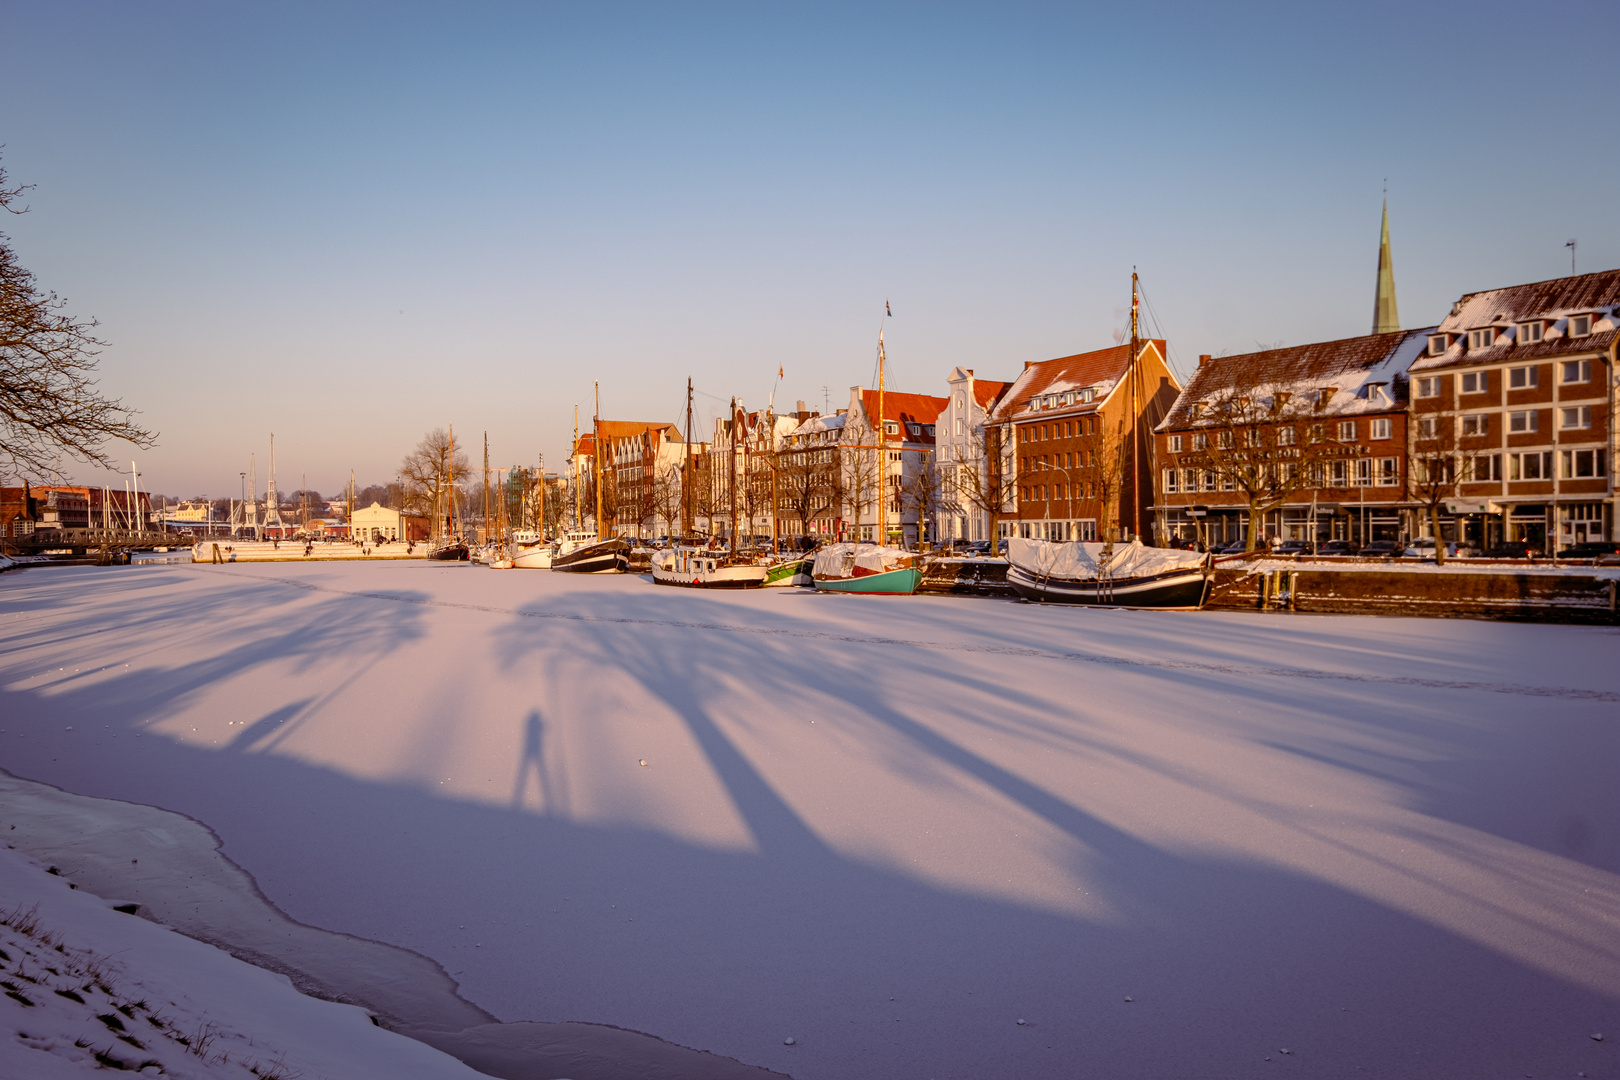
<point x="348" y="223"/>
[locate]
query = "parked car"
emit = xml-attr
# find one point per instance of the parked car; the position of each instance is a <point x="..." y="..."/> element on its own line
<point x="1338" y="547"/>
<point x="1234" y="547"/>
<point x="1383" y="549"/>
<point x="1294" y="547"/>
<point x="1513" y="549"/>
<point x="1591" y="549"/>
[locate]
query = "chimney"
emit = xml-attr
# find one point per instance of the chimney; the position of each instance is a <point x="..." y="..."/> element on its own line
<point x="799" y="407"/>
<point x="1203" y="358"/>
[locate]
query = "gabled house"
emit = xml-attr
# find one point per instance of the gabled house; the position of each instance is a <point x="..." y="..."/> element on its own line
<point x="1302" y="443"/>
<point x="964" y="447"/>
<point x="888" y="458"/>
<point x="1516" y="388"/>
<point x="1076" y="434"/>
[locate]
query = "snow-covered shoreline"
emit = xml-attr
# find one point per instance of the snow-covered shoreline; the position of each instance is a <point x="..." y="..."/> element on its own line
<point x="886" y="828"/>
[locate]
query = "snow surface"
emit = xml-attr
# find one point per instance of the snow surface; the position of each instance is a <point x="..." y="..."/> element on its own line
<point x="888" y="828"/>
<point x="83" y="980"/>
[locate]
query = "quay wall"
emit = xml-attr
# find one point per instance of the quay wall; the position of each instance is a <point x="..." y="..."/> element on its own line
<point x="1537" y="594"/>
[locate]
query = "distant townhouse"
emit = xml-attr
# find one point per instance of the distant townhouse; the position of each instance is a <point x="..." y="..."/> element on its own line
<point x="1515" y="391"/>
<point x="641" y="476"/>
<point x="889" y="458"/>
<point x="1076" y="433"/>
<point x="965" y="447"/>
<point x="808" y="470"/>
<point x="1302" y="443"/>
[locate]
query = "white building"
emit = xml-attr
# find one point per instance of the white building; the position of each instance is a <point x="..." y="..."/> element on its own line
<point x="962" y="447"/>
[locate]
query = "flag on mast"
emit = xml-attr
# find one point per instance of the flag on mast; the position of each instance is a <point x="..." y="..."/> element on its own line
<point x="886" y="310"/>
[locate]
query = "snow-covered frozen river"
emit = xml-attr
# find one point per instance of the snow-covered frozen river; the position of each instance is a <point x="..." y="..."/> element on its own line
<point x="920" y="837"/>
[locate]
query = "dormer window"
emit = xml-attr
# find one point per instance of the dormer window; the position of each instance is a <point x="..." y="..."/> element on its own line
<point x="1087" y="395"/>
<point x="891" y="427"/>
<point x="1530" y="332"/>
<point x="1580" y="325"/>
<point x="1438" y="343"/>
<point x="1481" y="339"/>
<point x="1325" y="395"/>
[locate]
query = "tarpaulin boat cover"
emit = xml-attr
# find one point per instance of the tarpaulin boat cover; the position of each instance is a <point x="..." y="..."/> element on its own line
<point x="1081" y="561"/>
<point x="831" y="561"/>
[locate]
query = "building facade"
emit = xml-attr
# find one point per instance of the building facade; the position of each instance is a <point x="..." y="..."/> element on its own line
<point x="1077" y="433"/>
<point x="1514" y="393"/>
<point x="965" y="448"/>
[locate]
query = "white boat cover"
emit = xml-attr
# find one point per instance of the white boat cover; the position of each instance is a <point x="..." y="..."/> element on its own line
<point x="1081" y="561"/>
<point x="830" y="560"/>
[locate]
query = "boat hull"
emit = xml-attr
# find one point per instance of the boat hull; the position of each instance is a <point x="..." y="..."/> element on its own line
<point x="1181" y="590"/>
<point x="450" y="553"/>
<point x="900" y="582"/>
<point x="538" y="558"/>
<point x="725" y="577"/>
<point x="606" y="557"/>
<point x="789" y="573"/>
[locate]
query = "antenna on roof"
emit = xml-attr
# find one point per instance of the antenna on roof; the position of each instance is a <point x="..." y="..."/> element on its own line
<point x="1571" y="246"/>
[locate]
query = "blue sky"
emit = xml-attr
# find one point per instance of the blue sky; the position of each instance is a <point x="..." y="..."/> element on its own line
<point x="348" y="224"/>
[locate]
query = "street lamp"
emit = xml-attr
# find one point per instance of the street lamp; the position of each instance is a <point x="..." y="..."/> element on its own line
<point x="1046" y="504"/>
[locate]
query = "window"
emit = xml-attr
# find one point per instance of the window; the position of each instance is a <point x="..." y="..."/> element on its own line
<point x="1523" y="378"/>
<point x="1380" y="429"/>
<point x="1580" y="464"/>
<point x="1189" y="479"/>
<point x="1428" y="427"/>
<point x="1200" y="441"/>
<point x="961" y="427"/>
<point x="1347" y="431"/>
<point x="1471" y="382"/>
<point x="1223" y="440"/>
<point x="1209" y="480"/>
<point x="1285" y="436"/>
<point x="1428" y="386"/>
<point x="1228" y="483"/>
<point x="1389" y="472"/>
<point x="1579" y="416"/>
<point x="1481" y="339"/>
<point x="1316" y="433"/>
<point x="1580" y="325"/>
<point x="1438" y="344"/>
<point x="1575" y="371"/>
<point x="1522" y="421"/>
<point x="1530" y="332"/>
<point x="1175" y="444"/>
<point x="1339" y="473"/>
<point x="1171" y="478"/>
<point x="1485" y="467"/>
<point x="1476" y="425"/>
<point x="891" y="427"/>
<point x="1529" y="466"/>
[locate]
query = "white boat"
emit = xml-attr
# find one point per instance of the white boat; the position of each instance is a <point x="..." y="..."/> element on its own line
<point x="533" y="556"/>
<point x="1107" y="575"/>
<point x="866" y="568"/>
<point x="583" y="553"/>
<point x="702" y="568"/>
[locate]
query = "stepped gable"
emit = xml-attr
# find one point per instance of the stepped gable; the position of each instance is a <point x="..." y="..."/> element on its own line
<point x="1351" y="366"/>
<point x="1555" y="300"/>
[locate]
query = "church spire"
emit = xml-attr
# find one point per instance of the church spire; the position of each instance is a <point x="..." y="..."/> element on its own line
<point x="1385" y="316"/>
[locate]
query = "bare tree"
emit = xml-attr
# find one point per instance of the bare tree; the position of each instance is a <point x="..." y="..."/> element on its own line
<point x="1442" y="459"/>
<point x="666" y="496"/>
<point x="1262" y="442"/>
<point x="429" y="476"/>
<point x="49" y="404"/>
<point x="858" y="479"/>
<point x="1102" y="469"/>
<point x="923" y="491"/>
<point x="981" y="477"/>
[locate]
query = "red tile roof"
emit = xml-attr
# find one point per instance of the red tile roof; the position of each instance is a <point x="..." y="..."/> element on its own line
<point x="910" y="408"/>
<point x="1101" y="369"/>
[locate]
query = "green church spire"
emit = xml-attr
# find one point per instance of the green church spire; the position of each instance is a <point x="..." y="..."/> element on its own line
<point x="1385" y="316"/>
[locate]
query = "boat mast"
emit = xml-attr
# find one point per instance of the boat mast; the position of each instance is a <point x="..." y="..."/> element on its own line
<point x="731" y="468"/>
<point x="486" y="487"/>
<point x="883" y="445"/>
<point x="1136" y="420"/>
<point x="573" y="456"/>
<point x="686" y="462"/>
<point x="596" y="460"/>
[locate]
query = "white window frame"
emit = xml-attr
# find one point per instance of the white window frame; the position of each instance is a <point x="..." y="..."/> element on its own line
<point x="1172" y="478"/>
<point x="1389" y="472"/>
<point x="1482" y="338"/>
<point x="1580" y="325"/>
<point x="1531" y="332"/>
<point x="1346" y="431"/>
<point x="1200" y="440"/>
<point x="1523" y="423"/>
<point x="1428" y="386"/>
<point x="1381" y="428"/>
<point x="1175" y="444"/>
<point x="1574" y="417"/>
<point x="1582" y="369"/>
<point x="1487" y="468"/>
<point x="1428" y="427"/>
<point x="1524" y="378"/>
<point x="1479" y="380"/>
<point x="1476" y="424"/>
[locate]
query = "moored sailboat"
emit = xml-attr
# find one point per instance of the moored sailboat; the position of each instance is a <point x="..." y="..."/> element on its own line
<point x="866" y="568"/>
<point x="1107" y="575"/>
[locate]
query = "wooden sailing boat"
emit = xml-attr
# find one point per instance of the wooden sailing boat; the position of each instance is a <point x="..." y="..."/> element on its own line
<point x="604" y="555"/>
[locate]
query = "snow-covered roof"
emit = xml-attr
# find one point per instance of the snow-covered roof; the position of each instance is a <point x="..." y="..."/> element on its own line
<point x="1366" y="375"/>
<point x="1550" y="303"/>
<point x="1046" y="385"/>
<point x="818" y="424"/>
